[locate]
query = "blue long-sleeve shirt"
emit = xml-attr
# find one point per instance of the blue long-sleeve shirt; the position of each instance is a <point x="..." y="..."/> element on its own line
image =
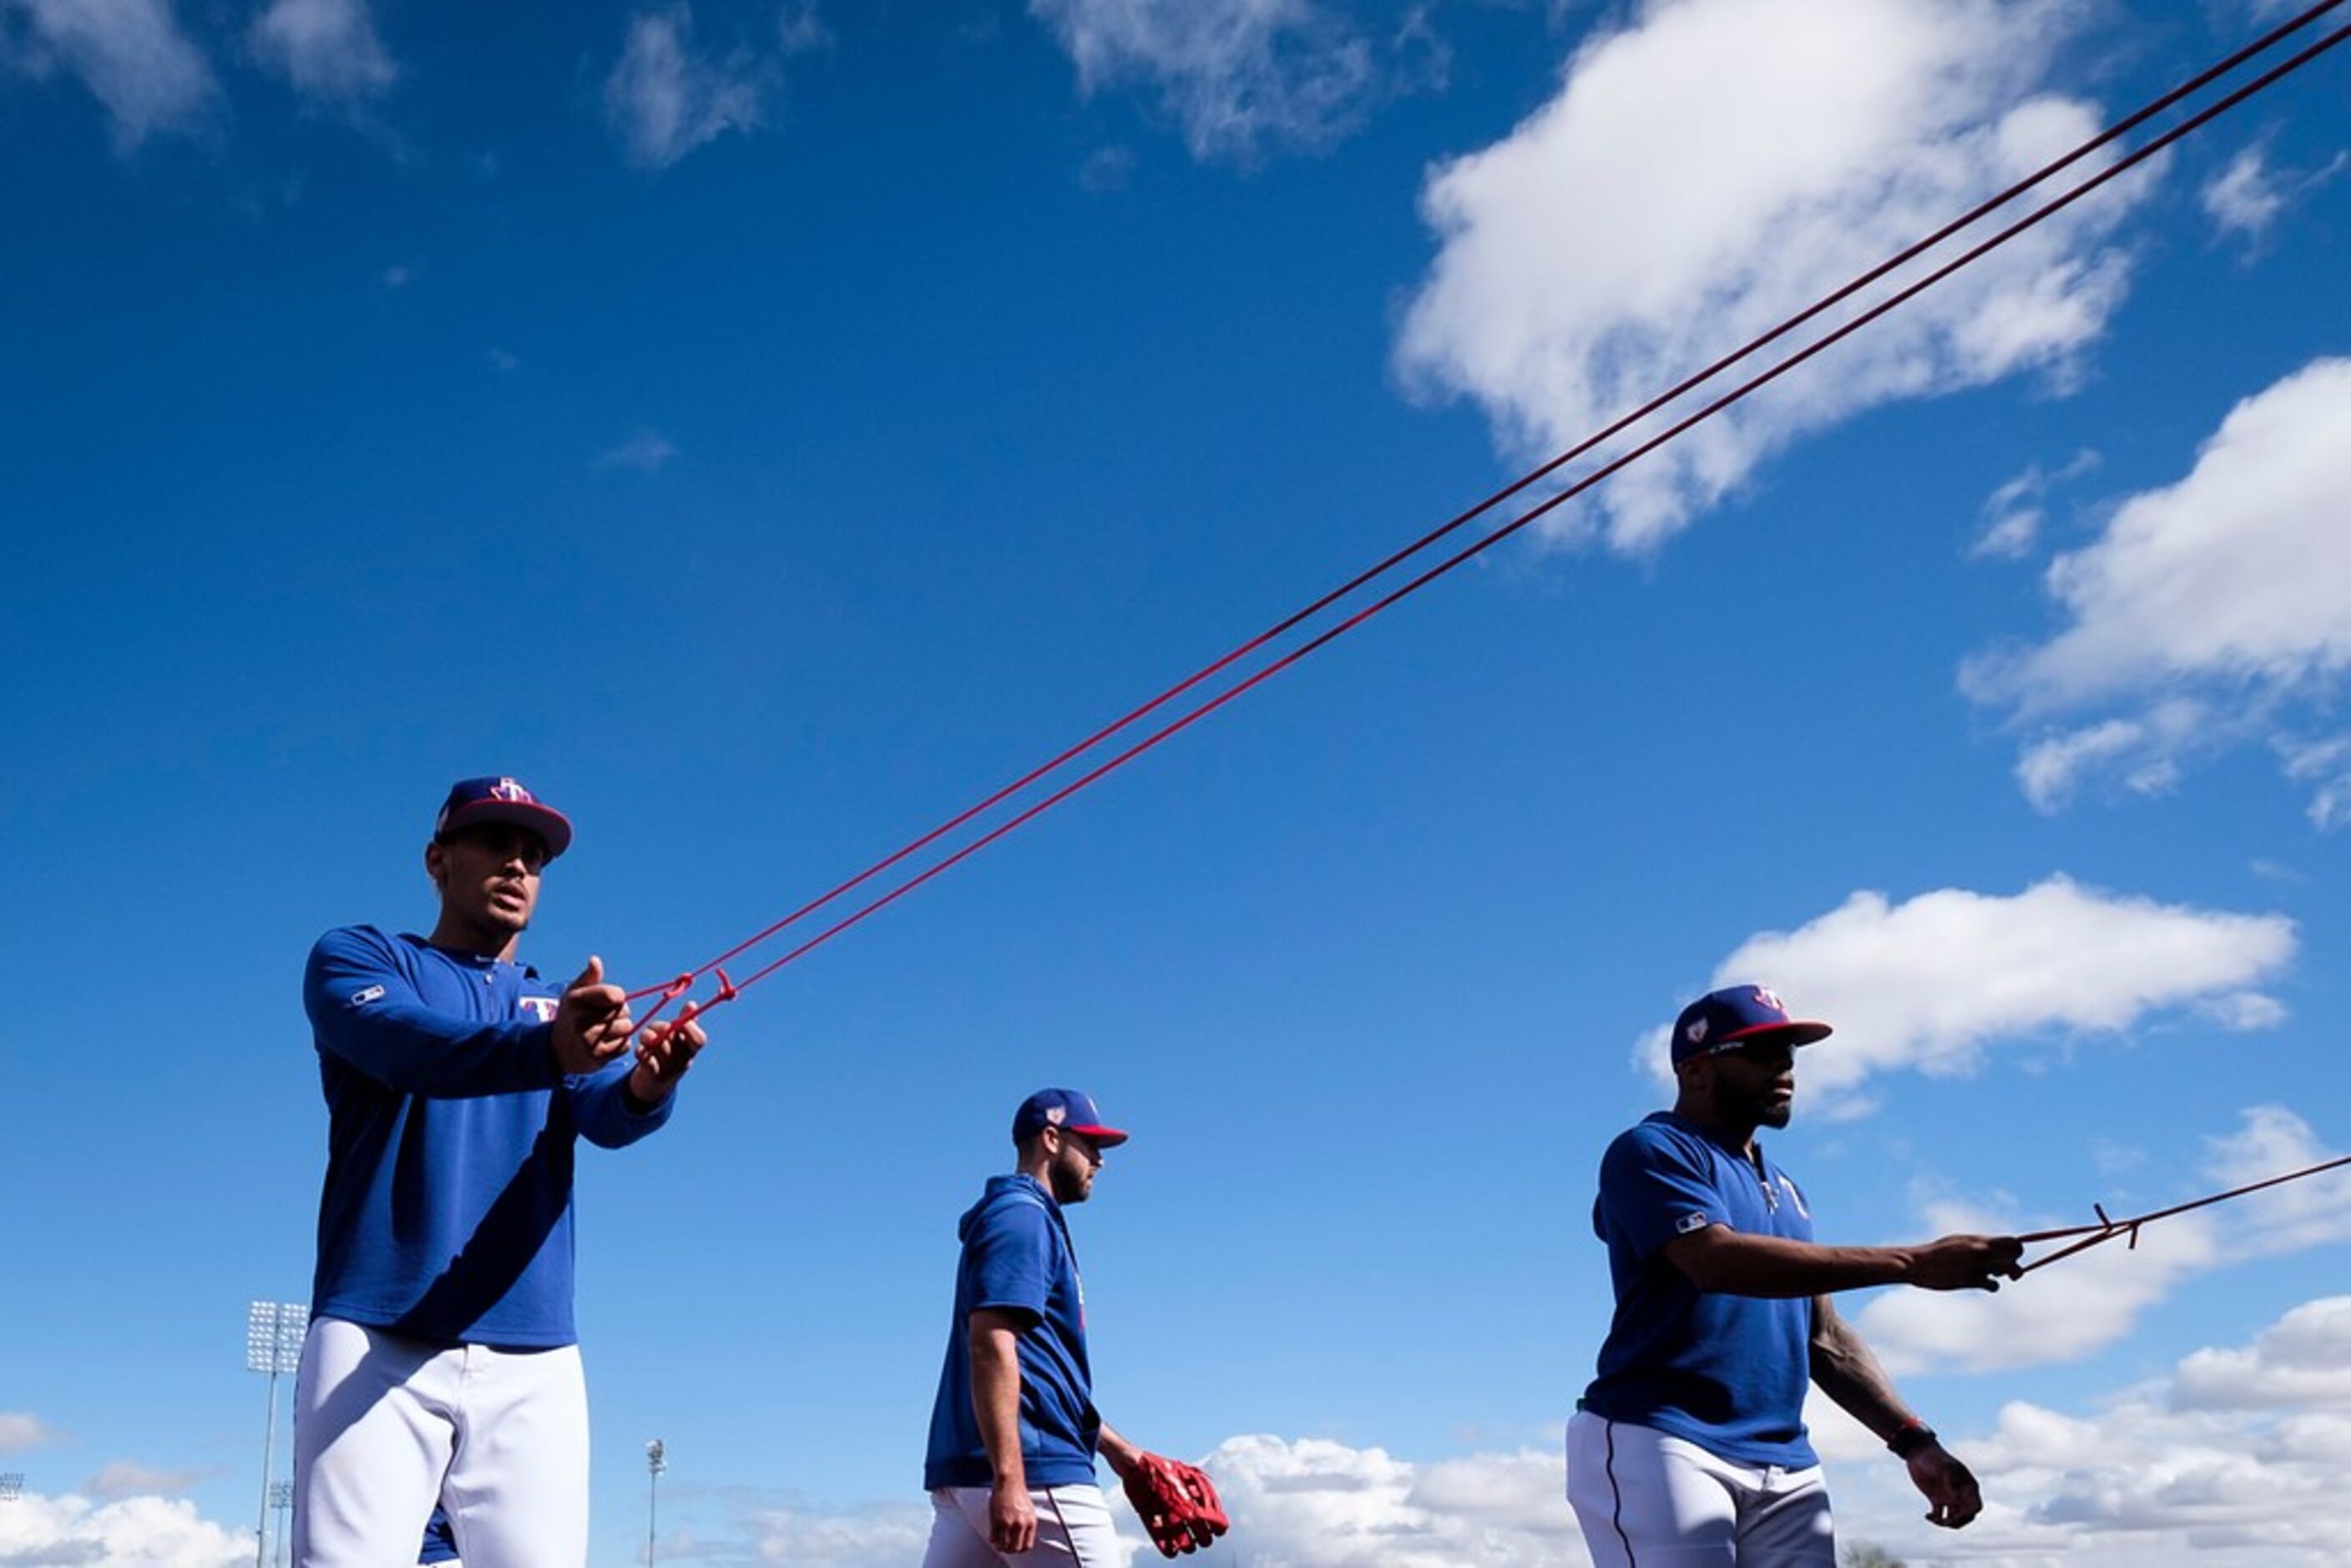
<point x="446" y="1214"/>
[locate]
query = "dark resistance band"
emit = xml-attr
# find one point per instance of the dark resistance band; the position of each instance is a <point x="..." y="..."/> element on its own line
<point x="2107" y="1229"/>
<point x="727" y="990"/>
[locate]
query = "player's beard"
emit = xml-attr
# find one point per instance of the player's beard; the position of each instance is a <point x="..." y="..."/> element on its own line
<point x="1069" y="1184"/>
<point x="1737" y="1107"/>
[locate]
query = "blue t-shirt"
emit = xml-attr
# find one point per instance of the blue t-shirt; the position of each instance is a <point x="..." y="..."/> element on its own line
<point x="446" y="1213"/>
<point x="1017" y="1259"/>
<point x="1724" y="1371"/>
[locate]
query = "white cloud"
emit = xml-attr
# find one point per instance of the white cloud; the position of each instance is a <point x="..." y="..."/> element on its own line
<point x="1239" y="75"/>
<point x="130" y="53"/>
<point x="1314" y="1503"/>
<point x="1107" y="168"/>
<point x="326" y="49"/>
<point x="2097" y="1299"/>
<point x="21" y="1429"/>
<point x="2326" y="765"/>
<point x="1615" y="241"/>
<point x="2014" y="515"/>
<point x="2301" y="1362"/>
<point x="2192" y="1465"/>
<point x="666" y="100"/>
<point x="2226" y="597"/>
<point x="2310" y="1212"/>
<point x="124" y="1479"/>
<point x="2141" y="754"/>
<point x="2042" y="1317"/>
<point x="800" y="30"/>
<point x="2243" y="198"/>
<point x="856" y="1537"/>
<point x="1934" y="982"/>
<point x="164" y="1532"/>
<point x="645" y="450"/>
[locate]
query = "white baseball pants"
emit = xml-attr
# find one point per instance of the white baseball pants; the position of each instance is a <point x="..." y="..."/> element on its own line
<point x="1073" y="1530"/>
<point x="385" y="1426"/>
<point x="1648" y="1501"/>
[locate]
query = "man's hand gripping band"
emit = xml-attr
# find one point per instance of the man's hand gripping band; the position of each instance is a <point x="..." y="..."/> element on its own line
<point x="1177" y="1502"/>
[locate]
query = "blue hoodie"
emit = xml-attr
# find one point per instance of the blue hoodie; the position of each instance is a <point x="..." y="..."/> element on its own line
<point x="1017" y="1259"/>
<point x="446" y="1214"/>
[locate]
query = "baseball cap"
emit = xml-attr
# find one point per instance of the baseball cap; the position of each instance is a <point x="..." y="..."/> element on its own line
<point x="1730" y="1018"/>
<point x="1068" y="1108"/>
<point x="475" y="802"/>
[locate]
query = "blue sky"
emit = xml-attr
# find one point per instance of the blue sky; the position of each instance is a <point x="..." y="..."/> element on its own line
<point x="766" y="430"/>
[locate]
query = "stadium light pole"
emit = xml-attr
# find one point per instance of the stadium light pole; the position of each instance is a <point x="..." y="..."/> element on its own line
<point x="273" y="1344"/>
<point x="281" y="1497"/>
<point x="656" y="1462"/>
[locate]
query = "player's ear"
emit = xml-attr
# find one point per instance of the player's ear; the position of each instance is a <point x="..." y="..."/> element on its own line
<point x="433" y="866"/>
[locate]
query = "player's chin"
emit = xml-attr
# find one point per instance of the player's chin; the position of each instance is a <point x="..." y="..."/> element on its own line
<point x="1777" y="1112"/>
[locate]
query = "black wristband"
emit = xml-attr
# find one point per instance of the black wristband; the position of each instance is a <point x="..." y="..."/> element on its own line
<point x="1913" y="1437"/>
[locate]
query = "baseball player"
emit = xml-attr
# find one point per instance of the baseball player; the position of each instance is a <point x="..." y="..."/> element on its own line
<point x="1014" y="1431"/>
<point x="441" y="1364"/>
<point x="1689" y="1447"/>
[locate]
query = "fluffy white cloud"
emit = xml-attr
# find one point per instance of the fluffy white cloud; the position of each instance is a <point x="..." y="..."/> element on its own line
<point x="1314" y="1503"/>
<point x="166" y="1533"/>
<point x="131" y="53"/>
<point x="2311" y="1212"/>
<point x="807" y="1537"/>
<point x="2325" y="765"/>
<point x="2249" y="1472"/>
<point x="2042" y="1317"/>
<point x="2013" y="514"/>
<point x="2233" y="1460"/>
<point x="2243" y="199"/>
<point x="126" y="1478"/>
<point x="1934" y="982"/>
<point x="2208" y="611"/>
<point x="1239" y="75"/>
<point x="2097" y="1298"/>
<point x="2301" y="1362"/>
<point x="21" y="1429"/>
<point x="1620" y="238"/>
<point x="2141" y="754"/>
<point x="664" y="99"/>
<point x="328" y="49"/>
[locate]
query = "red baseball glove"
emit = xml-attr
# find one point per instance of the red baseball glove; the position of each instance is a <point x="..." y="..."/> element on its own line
<point x="1177" y="1502"/>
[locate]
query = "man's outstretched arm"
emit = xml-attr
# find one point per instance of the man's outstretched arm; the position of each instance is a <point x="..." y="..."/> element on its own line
<point x="1717" y="1258"/>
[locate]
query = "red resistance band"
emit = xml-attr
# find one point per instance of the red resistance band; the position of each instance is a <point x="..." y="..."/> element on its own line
<point x="729" y="990"/>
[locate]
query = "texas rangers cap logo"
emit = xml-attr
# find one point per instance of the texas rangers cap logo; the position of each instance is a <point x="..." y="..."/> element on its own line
<point x="1770" y="999"/>
<point x="507" y="789"/>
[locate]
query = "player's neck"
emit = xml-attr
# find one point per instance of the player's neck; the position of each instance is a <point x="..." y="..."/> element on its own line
<point x="1738" y="1135"/>
<point x="455" y="936"/>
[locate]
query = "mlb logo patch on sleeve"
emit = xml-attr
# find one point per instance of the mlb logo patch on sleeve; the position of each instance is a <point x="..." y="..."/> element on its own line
<point x="1689" y="1222"/>
<point x="362" y="997"/>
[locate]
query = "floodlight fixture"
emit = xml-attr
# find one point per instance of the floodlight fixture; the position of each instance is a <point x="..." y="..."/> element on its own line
<point x="656" y="1462"/>
<point x="273" y="1332"/>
